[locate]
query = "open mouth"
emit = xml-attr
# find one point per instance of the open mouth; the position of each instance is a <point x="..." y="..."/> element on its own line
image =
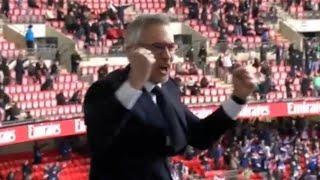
<point x="164" y="69"/>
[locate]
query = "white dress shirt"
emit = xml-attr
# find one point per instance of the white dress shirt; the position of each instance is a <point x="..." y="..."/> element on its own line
<point x="128" y="96"/>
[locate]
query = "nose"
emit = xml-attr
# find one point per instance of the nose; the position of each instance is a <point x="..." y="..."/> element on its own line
<point x="166" y="54"/>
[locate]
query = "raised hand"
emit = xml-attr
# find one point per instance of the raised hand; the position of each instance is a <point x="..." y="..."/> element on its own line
<point x="141" y="61"/>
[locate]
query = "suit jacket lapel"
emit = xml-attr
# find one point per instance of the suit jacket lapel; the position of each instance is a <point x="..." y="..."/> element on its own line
<point x="176" y="105"/>
<point x="149" y="112"/>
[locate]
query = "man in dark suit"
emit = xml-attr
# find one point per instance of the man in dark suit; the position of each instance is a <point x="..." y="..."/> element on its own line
<point x="61" y="99"/>
<point x="140" y="107"/>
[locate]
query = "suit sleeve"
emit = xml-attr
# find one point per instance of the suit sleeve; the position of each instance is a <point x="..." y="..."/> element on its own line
<point x="203" y="132"/>
<point x="104" y="115"/>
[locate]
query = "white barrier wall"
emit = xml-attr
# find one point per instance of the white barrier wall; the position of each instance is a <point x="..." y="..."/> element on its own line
<point x="304" y="25"/>
<point x="39" y="30"/>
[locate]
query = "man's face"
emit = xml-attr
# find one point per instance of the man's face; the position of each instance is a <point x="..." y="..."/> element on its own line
<point x="159" y="40"/>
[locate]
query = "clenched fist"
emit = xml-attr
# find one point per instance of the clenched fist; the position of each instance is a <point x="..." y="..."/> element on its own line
<point x="243" y="83"/>
<point x="141" y="62"/>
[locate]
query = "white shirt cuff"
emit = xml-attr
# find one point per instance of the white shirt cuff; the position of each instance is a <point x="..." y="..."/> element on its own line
<point x="127" y="95"/>
<point x="231" y="108"/>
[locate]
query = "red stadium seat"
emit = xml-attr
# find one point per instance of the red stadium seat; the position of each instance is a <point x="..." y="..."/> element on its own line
<point x="194" y="100"/>
<point x="201" y="99"/>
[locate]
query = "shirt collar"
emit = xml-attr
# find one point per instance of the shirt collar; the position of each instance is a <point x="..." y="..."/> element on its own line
<point x="149" y="86"/>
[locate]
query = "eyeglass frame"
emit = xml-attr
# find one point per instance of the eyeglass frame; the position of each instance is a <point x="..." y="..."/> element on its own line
<point x="155" y="47"/>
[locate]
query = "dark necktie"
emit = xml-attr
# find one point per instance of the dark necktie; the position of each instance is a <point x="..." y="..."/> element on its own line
<point x="177" y="136"/>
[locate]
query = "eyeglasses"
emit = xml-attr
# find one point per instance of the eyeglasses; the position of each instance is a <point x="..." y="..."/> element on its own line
<point x="158" y="48"/>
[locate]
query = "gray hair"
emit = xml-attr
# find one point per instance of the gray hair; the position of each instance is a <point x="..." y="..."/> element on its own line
<point x="134" y="29"/>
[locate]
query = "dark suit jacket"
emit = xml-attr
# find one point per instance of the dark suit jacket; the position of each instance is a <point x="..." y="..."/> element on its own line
<point x="131" y="144"/>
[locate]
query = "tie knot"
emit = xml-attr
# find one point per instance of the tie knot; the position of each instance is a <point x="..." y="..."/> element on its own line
<point x="156" y="90"/>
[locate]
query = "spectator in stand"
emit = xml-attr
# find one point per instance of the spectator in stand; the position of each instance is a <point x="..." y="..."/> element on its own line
<point x="32" y="4"/>
<point x="308" y="6"/>
<point x="231" y="17"/>
<point x="37" y="155"/>
<point x="204" y="15"/>
<point x="38" y="72"/>
<point x="204" y="82"/>
<point x="4" y="98"/>
<point x="5" y="7"/>
<point x="75" y="61"/>
<point x="19" y="3"/>
<point x="218" y="155"/>
<point x="238" y="47"/>
<point x="193" y="70"/>
<point x="29" y="37"/>
<point x="54" y="69"/>
<point x="279" y="51"/>
<point x="60" y="3"/>
<point x="247" y="29"/>
<point x="314" y="64"/>
<point x="49" y="3"/>
<point x="234" y="162"/>
<point x="216" y="4"/>
<point x="181" y="86"/>
<point x="52" y="172"/>
<point x="215" y="18"/>
<point x="44" y="68"/>
<point x="47" y="85"/>
<point x="112" y="11"/>
<point x="76" y="98"/>
<point x="238" y="26"/>
<point x="316" y="85"/>
<point x="12" y="112"/>
<point x="265" y="87"/>
<point x="103" y="72"/>
<point x="194" y="89"/>
<point x="31" y="69"/>
<point x="263" y="52"/>
<point x="6" y="71"/>
<point x="229" y="6"/>
<point x="61" y="100"/>
<point x="255" y="8"/>
<point x="227" y="65"/>
<point x="223" y="36"/>
<point x="296" y="60"/>
<point x="122" y="7"/>
<point x="273" y="14"/>
<point x="243" y="6"/>
<point x="203" y="54"/>
<point x="258" y="26"/>
<point x="288" y="82"/>
<point x="289" y="4"/>
<point x="305" y="85"/>
<point x="57" y="58"/>
<point x="70" y="22"/>
<point x="219" y="70"/>
<point x="193" y="9"/>
<point x="11" y="176"/>
<point x="19" y="69"/>
<point x="65" y="150"/>
<point x="26" y="169"/>
<point x="181" y="70"/>
<point x="28" y="115"/>
<point x="265" y="36"/>
<point x="190" y="54"/>
<point x="60" y="14"/>
<point x="95" y="28"/>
